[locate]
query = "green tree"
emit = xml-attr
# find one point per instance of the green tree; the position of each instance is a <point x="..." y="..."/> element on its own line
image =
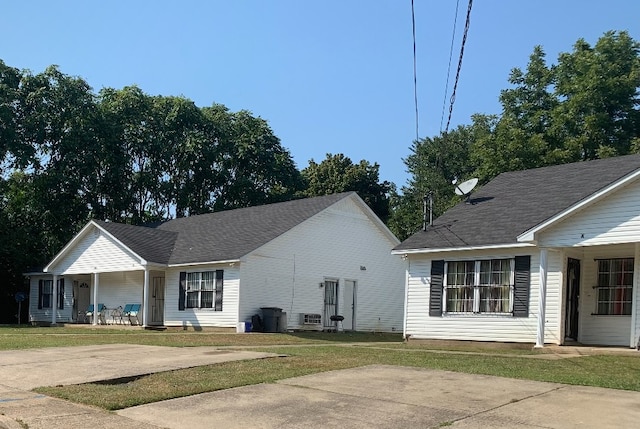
<point x="256" y="168"/>
<point x="597" y="88"/>
<point x="433" y="164"/>
<point x="337" y="173"/>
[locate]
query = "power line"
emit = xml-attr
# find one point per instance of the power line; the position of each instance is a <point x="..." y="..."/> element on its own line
<point x="455" y="85"/>
<point x="446" y="86"/>
<point x="415" y="72"/>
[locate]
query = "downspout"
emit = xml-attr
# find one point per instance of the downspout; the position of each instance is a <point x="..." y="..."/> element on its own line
<point x="54" y="300"/>
<point x="634" y="340"/>
<point x="407" y="276"/>
<point x="145" y="298"/>
<point x="542" y="298"/>
<point x="96" y="281"/>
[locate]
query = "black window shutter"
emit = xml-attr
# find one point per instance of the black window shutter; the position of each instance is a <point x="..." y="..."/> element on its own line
<point x="219" y="284"/>
<point x="521" y="286"/>
<point x="40" y="286"/>
<point x="437" y="281"/>
<point x="182" y="290"/>
<point x="61" y="294"/>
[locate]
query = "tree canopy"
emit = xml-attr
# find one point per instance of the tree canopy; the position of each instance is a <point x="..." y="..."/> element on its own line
<point x="585" y="106"/>
<point x="337" y="173"/>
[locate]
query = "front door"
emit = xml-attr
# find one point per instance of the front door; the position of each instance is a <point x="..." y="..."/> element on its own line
<point x="572" y="299"/>
<point x="330" y="303"/>
<point x="349" y="308"/>
<point x="157" y="301"/>
<point x="81" y="300"/>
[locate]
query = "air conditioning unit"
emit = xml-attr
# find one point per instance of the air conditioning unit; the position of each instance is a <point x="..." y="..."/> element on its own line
<point x="310" y="319"/>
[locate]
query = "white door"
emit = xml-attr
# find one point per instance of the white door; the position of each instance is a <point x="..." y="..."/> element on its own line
<point x="349" y="308"/>
<point x="81" y="300"/>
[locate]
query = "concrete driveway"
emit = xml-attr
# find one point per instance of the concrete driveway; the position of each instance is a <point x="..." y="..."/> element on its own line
<point x="367" y="397"/>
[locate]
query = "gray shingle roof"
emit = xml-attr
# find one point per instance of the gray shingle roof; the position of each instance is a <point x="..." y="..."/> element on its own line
<point x="231" y="234"/>
<point x="219" y="236"/>
<point x="151" y="244"/>
<point x="517" y="201"/>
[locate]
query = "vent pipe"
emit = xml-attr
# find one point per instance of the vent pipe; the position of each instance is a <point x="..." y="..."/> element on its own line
<point x="427" y="204"/>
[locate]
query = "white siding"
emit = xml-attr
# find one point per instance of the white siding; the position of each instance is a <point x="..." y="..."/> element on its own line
<point x="593" y="329"/>
<point x="614" y="219"/>
<point x="96" y="252"/>
<point x="483" y="327"/>
<point x="192" y="317"/>
<point x="340" y="243"/>
<point x="44" y="314"/>
<point x="119" y="289"/>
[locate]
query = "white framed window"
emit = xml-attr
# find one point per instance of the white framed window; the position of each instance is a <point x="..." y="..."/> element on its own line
<point x="479" y="287"/>
<point x="46" y="293"/>
<point x="201" y="289"/>
<point x="615" y="286"/>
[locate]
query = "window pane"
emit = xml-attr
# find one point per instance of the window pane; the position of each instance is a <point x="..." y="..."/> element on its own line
<point x="460" y="299"/>
<point x="192" y="299"/>
<point x="209" y="280"/>
<point x="615" y="286"/>
<point x="207" y="299"/>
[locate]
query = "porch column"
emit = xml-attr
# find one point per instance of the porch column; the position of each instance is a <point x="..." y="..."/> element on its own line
<point x="145" y="297"/>
<point x="96" y="281"/>
<point x="54" y="300"/>
<point x="542" y="298"/>
<point x="634" y="340"/>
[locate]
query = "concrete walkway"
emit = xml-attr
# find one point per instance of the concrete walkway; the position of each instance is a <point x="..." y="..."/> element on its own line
<point x="368" y="397"/>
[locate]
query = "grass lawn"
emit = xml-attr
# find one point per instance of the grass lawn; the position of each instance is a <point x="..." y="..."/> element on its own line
<point x="306" y="354"/>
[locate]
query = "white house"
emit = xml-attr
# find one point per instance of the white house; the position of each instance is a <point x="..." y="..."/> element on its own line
<point x="313" y="258"/>
<point x="548" y="255"/>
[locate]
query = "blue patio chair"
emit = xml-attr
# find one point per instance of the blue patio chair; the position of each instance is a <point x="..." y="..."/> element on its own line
<point x="90" y="313"/>
<point x="130" y="312"/>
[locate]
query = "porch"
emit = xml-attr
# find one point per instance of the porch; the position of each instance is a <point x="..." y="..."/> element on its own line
<point x="110" y="293"/>
<point x="597" y="288"/>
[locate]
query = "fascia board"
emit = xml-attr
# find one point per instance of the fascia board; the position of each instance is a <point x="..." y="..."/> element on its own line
<point x="461" y="249"/>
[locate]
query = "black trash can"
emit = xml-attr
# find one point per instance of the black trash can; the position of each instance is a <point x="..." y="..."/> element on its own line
<point x="271" y="318"/>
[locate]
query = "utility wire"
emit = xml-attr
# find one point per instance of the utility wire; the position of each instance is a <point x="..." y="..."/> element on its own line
<point x="455" y="85"/>
<point x="446" y="86"/>
<point x="415" y="69"/>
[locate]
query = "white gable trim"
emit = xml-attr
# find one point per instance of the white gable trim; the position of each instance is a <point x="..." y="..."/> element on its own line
<point x="374" y="218"/>
<point x="530" y="235"/>
<point x="459" y="249"/>
<point x="76" y="239"/>
<point x="188" y="264"/>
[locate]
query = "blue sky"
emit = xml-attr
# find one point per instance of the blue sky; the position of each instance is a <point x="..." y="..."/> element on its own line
<point x="330" y="76"/>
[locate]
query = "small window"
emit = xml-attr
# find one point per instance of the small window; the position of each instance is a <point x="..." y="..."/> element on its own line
<point x="46" y="292"/>
<point x="615" y="286"/>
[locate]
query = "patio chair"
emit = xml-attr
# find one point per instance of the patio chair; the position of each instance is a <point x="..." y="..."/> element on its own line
<point x="116" y="315"/>
<point x="130" y="312"/>
<point x="90" y="313"/>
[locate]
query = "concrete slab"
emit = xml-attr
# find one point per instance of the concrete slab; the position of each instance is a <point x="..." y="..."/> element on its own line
<point x="566" y="407"/>
<point x="367" y="397"/>
<point x="27" y="369"/>
<point x="391" y="397"/>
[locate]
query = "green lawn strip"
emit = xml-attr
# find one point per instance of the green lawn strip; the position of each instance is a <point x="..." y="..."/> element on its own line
<point x="28" y="337"/>
<point x="618" y="372"/>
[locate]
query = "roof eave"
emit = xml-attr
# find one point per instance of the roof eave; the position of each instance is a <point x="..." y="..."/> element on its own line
<point x="530" y="235"/>
<point x="461" y="249"/>
<point x="187" y="264"/>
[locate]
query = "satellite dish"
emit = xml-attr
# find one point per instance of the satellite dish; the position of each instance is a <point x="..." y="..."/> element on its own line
<point x="465" y="187"/>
